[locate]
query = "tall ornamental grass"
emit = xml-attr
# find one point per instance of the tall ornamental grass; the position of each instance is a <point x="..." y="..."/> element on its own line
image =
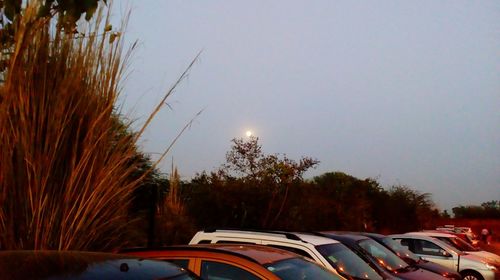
<point x="64" y="164"/>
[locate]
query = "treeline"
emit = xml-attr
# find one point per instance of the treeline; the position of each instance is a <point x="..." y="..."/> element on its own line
<point x="254" y="190"/>
<point x="331" y="201"/>
<point x="487" y="210"/>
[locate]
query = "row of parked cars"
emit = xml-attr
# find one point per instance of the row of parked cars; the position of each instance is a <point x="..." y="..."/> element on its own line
<point x="232" y="254"/>
<point x="358" y="255"/>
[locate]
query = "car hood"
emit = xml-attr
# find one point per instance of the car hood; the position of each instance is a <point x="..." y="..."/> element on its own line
<point x="419" y="274"/>
<point x="437" y="268"/>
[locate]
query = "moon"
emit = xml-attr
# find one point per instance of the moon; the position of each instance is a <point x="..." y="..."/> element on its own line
<point x="248" y="133"/>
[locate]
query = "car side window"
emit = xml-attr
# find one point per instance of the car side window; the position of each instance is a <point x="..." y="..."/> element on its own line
<point x="404" y="243"/>
<point x="425" y="247"/>
<point x="211" y="270"/>
<point x="184" y="263"/>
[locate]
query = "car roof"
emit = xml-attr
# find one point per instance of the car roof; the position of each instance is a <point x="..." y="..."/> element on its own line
<point x="459" y="234"/>
<point x="344" y="235"/>
<point x="348" y="239"/>
<point x="255" y="253"/>
<point x="24" y="264"/>
<point x="316" y="239"/>
<point x="432" y="233"/>
<point x="372" y="235"/>
<point x="263" y="234"/>
<point x="417" y="236"/>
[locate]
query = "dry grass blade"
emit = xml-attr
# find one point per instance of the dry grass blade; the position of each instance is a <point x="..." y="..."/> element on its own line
<point x="169" y="92"/>
<point x="64" y="169"/>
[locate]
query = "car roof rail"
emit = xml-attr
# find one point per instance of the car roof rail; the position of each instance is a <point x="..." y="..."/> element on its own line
<point x="288" y="235"/>
<point x="183" y="247"/>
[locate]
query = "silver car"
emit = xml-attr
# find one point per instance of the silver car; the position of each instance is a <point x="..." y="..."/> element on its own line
<point x="471" y="267"/>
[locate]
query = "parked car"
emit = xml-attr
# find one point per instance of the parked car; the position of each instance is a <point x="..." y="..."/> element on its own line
<point x="411" y="258"/>
<point x="327" y="252"/>
<point x="55" y="265"/>
<point x="461" y="245"/>
<point x="239" y="262"/>
<point x="471" y="267"/>
<point x="464" y="232"/>
<point x="387" y="263"/>
<point x="467" y="237"/>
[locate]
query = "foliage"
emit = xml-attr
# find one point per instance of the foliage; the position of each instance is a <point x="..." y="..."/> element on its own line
<point x="487" y="210"/>
<point x="68" y="11"/>
<point x="246" y="162"/>
<point x="350" y="197"/>
<point x="415" y="210"/>
<point x="251" y="190"/>
<point x="174" y="226"/>
<point x="332" y="201"/>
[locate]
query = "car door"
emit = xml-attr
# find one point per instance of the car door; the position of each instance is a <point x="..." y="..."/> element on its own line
<point x="222" y="269"/>
<point x="430" y="251"/>
<point x="219" y="269"/>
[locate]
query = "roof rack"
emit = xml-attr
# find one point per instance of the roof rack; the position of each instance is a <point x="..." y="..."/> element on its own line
<point x="288" y="235"/>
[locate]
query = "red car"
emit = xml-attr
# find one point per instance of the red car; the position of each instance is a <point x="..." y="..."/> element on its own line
<point x="460" y="235"/>
<point x="239" y="261"/>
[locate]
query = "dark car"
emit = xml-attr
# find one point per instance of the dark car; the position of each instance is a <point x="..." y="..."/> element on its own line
<point x="410" y="257"/>
<point x="55" y="265"/>
<point x="385" y="261"/>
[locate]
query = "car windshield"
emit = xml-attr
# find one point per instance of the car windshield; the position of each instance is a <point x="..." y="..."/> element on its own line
<point x="85" y="265"/>
<point x="401" y="251"/>
<point x="458" y="243"/>
<point x="300" y="268"/>
<point x="347" y="262"/>
<point x="382" y="255"/>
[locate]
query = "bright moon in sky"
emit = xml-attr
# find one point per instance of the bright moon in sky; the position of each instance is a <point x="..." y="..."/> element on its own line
<point x="248" y="133"/>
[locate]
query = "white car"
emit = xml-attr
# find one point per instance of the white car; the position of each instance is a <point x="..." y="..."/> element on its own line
<point x="471" y="267"/>
<point x="461" y="245"/>
<point x="330" y="253"/>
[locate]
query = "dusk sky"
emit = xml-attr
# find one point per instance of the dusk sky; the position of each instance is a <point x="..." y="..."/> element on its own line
<point x="407" y="92"/>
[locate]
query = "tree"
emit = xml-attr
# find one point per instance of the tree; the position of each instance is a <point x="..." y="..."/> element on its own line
<point x="68" y="12"/>
<point x="412" y="206"/>
<point x="250" y="190"/>
<point x="351" y="199"/>
<point x="274" y="172"/>
<point x="247" y="161"/>
<point x="445" y="214"/>
<point x="487" y="210"/>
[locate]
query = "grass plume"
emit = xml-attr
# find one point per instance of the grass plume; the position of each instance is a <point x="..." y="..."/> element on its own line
<point x="64" y="164"/>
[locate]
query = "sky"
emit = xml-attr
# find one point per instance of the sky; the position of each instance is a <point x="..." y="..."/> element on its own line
<point x="407" y="92"/>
